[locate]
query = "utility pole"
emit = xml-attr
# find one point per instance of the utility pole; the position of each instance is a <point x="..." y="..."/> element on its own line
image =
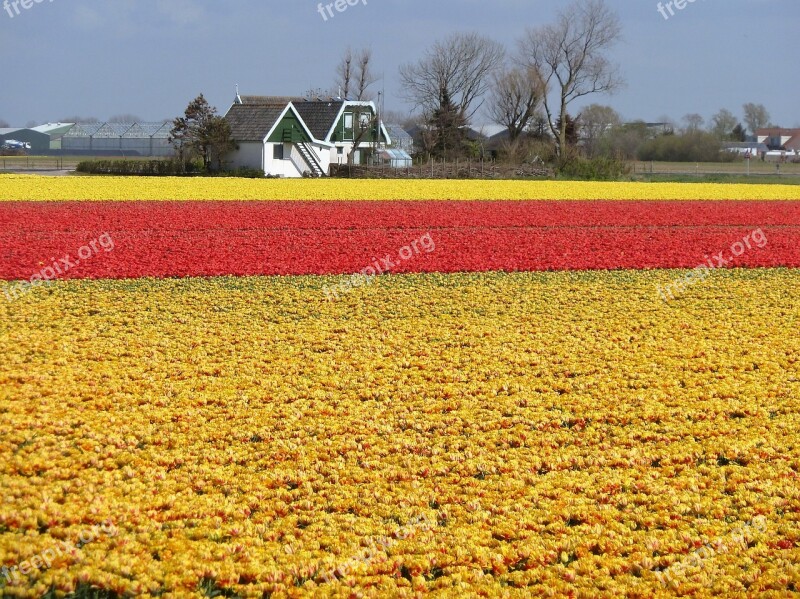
<point x="378" y="120"/>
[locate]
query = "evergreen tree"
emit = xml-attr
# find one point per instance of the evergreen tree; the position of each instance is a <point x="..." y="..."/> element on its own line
<point x="571" y="131"/>
<point x="201" y="132"/>
<point x="738" y="133"/>
<point x="448" y="123"/>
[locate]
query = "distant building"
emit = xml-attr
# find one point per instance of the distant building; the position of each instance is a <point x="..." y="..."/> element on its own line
<point x="401" y="139"/>
<point x="119" y="139"/>
<point x="485" y="132"/>
<point x="778" y="139"/>
<point x="56" y="132"/>
<point x="41" y="139"/>
<point x="745" y="148"/>
<point x="292" y="136"/>
<point x="653" y="129"/>
<point x="395" y="157"/>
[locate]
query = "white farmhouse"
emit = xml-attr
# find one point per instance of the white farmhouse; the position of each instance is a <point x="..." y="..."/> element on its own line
<point x="293" y="137"/>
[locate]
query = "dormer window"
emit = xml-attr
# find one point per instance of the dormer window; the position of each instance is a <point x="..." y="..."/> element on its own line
<point x="347" y="134"/>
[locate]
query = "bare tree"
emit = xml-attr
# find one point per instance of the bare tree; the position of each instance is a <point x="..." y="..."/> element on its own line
<point x="354" y="74"/>
<point x="4" y="124"/>
<point x="344" y="73"/>
<point x="596" y="122"/>
<point x="457" y="69"/>
<point x="540" y="127"/>
<point x="516" y="95"/>
<point x="318" y="93"/>
<point x="365" y="124"/>
<point x="570" y="57"/>
<point x="671" y="126"/>
<point x="396" y="117"/>
<point x="694" y="122"/>
<point x="756" y="117"/>
<point x="723" y="123"/>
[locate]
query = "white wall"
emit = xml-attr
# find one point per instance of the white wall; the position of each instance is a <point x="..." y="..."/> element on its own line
<point x="324" y="155"/>
<point x="296" y="160"/>
<point x="260" y="156"/>
<point x="249" y="155"/>
<point x="281" y="168"/>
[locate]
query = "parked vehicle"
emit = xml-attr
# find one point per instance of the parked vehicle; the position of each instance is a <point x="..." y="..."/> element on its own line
<point x="13" y="144"/>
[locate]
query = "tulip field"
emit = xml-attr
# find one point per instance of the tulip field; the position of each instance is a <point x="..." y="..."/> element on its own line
<point x="320" y="388"/>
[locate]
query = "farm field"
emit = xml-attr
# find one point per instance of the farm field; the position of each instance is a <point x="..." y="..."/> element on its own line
<point x="739" y="167"/>
<point x="759" y="171"/>
<point x="228" y="391"/>
<point x="25" y="188"/>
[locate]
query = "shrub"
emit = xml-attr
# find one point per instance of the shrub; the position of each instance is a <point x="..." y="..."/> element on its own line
<point x="691" y="147"/>
<point x="159" y="168"/>
<point x="525" y="150"/>
<point x="242" y="172"/>
<point x="602" y="168"/>
<point x="153" y="168"/>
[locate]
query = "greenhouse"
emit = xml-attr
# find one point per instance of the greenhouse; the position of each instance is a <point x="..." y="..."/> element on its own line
<point x="125" y="139"/>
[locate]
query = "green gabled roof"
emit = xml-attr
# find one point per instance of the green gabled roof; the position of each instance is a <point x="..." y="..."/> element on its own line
<point x="289" y="128"/>
<point x="259" y="117"/>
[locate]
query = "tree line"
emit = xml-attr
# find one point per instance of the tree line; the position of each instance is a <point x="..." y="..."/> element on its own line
<point x="527" y="89"/>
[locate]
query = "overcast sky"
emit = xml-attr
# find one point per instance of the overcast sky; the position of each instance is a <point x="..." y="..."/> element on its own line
<point x="151" y="57"/>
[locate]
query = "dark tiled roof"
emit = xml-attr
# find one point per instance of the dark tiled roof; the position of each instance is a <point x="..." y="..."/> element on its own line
<point x="253" y="118"/>
<point x="320" y="117"/>
<point x="397" y="131"/>
<point x="268" y="100"/>
<point x="252" y="122"/>
<point x="775" y="131"/>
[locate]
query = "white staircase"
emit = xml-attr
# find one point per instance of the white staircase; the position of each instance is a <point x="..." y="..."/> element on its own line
<point x="310" y="159"/>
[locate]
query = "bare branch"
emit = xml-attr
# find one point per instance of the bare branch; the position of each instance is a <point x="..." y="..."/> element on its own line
<point x="570" y="57"/>
<point x="515" y="97"/>
<point x="461" y="65"/>
<point x="344" y="73"/>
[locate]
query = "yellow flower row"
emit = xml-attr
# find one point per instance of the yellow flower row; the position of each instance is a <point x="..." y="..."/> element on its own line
<point x="21" y="188"/>
<point x="471" y="434"/>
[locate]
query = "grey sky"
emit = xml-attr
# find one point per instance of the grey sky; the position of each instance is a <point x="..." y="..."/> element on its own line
<point x="151" y="57"/>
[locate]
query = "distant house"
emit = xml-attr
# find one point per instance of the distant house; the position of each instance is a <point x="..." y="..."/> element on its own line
<point x="293" y="137"/>
<point x="485" y="132"/>
<point x="660" y="128"/>
<point x="778" y="139"/>
<point x="745" y="148"/>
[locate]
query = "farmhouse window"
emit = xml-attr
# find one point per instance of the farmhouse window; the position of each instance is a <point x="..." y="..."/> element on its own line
<point x="348" y="126"/>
